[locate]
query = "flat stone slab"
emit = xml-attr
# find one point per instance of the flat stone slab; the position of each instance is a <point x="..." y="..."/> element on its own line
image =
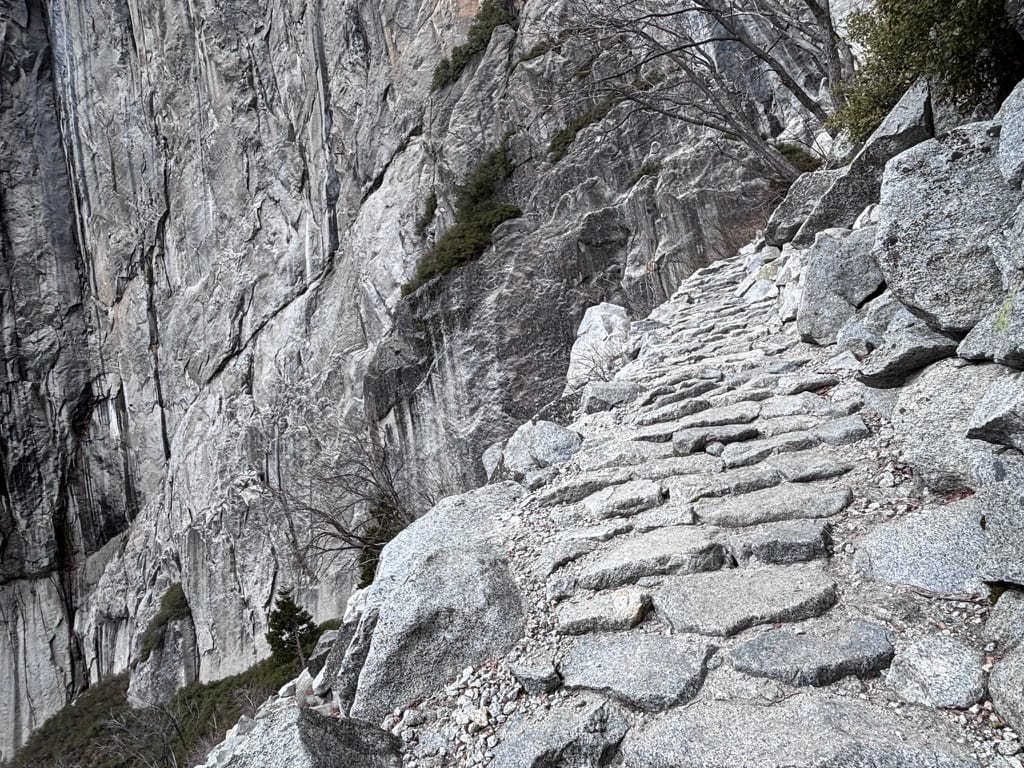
<point x="807" y="466"/>
<point x="682" y="549"/>
<point x="583" y="485"/>
<point x="738" y="413"/>
<point x="744" y="454"/>
<point x="791" y="541"/>
<point x="589" y="731"/>
<point x="938" y="671"/>
<point x="604" y="611"/>
<point x="649" y="672"/>
<point x="784" y="502"/>
<point x="673" y="412"/>
<point x="859" y="648"/>
<point x="731" y="483"/>
<point x="665" y="516"/>
<point x="619" y="454"/>
<point x="808" y="730"/>
<point x="625" y="500"/>
<point x="722" y="603"/>
<point x="937" y="550"/>
<point x="695" y="439"/>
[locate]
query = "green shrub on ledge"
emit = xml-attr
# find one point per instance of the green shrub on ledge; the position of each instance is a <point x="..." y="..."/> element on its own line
<point x="477" y="215"/>
<point x="492" y="14"/>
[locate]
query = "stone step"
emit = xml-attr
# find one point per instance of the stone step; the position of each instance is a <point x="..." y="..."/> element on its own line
<point x="789" y="501"/>
<point x="785" y="543"/>
<point x="808" y="730"/>
<point x="683" y="549"/>
<point x="722" y="603"/>
<point x="859" y="648"/>
<point x="625" y="500"/>
<point x="648" y="672"/>
<point x="604" y="611"/>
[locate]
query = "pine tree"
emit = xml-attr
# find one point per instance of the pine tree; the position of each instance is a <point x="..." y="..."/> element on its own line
<point x="291" y="629"/>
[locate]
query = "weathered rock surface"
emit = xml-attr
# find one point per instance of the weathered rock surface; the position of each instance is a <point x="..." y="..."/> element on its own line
<point x="938" y="550"/>
<point x="999" y="415"/>
<point x="860" y="648"/>
<point x="938" y="671"/>
<point x="807" y="731"/>
<point x="945" y="274"/>
<point x="299" y="738"/>
<point x="840" y="276"/>
<point x="1006" y="689"/>
<point x="793" y="541"/>
<point x="648" y="672"/>
<point x="723" y="603"/>
<point x="172" y="664"/>
<point x="208" y="214"/>
<point x="1011" y="139"/>
<point x="798" y="204"/>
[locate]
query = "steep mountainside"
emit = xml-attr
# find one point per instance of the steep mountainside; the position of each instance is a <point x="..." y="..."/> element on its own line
<point x="207" y="215"/>
<point x="789" y="532"/>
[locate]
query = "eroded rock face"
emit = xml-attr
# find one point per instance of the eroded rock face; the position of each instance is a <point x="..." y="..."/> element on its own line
<point x="443" y="598"/>
<point x="947" y="274"/>
<point x="205" y="231"/>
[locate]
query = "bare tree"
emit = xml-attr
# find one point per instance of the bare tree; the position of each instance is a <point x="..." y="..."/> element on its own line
<point x="709" y="63"/>
<point x="351" y="496"/>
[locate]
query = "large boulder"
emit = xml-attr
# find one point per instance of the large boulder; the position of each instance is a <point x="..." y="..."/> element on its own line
<point x="1001" y="498"/>
<point x="999" y="415"/>
<point x="943" y="205"/>
<point x="937" y="550"/>
<point x="839" y="276"/>
<point x="1011" y="141"/>
<point x="290" y="737"/>
<point x="1006" y="686"/>
<point x="793" y="211"/>
<point x="857" y="186"/>
<point x="601" y="342"/>
<point x="931" y="419"/>
<point x="904" y="350"/>
<point x="443" y="599"/>
<point x="537" y="445"/>
<point x="938" y="671"/>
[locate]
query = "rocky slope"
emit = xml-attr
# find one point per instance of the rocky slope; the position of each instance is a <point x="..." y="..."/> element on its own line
<point x="787" y="533"/>
<point x="207" y="214"/>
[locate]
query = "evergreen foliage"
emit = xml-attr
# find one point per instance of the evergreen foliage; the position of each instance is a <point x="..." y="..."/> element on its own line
<point x="429" y="209"/>
<point x="966" y="48"/>
<point x="291" y="630"/>
<point x="477" y="214"/>
<point x="100" y="729"/>
<point x="491" y="15"/>
<point x="173" y="606"/>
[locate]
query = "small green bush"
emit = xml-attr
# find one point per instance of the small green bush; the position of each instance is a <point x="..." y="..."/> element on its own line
<point x="562" y="140"/>
<point x="429" y="210"/>
<point x="290" y="630"/>
<point x="966" y="48"/>
<point x="799" y="157"/>
<point x="476" y="217"/>
<point x="650" y="167"/>
<point x="72" y="735"/>
<point x="81" y="733"/>
<point x="492" y="14"/>
<point x="173" y="606"/>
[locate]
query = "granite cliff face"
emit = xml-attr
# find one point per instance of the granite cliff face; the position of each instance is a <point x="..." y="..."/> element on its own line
<point x="207" y="212"/>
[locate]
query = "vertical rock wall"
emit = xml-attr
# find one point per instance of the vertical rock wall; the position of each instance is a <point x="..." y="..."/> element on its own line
<point x="207" y="212"/>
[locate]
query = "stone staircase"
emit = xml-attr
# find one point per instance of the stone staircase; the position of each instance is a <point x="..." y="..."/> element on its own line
<point x="719" y="577"/>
